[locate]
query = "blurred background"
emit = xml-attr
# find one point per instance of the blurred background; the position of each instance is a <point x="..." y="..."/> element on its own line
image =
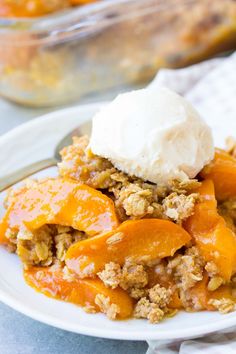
<point x="56" y="52"/>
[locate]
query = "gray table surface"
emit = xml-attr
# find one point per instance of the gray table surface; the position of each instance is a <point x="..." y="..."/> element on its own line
<point x="22" y="335"/>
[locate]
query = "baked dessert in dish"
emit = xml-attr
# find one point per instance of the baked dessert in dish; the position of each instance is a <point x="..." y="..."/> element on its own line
<point x="120" y="238"/>
<point x="105" y="45"/>
<point x="34" y="8"/>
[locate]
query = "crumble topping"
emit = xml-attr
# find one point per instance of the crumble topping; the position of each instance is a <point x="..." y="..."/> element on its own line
<point x="135" y="201"/>
<point x="82" y="165"/>
<point x="179" y="207"/>
<point x="131" y="276"/>
<point x="105" y="306"/>
<point x="35" y="248"/>
<point x="42" y="245"/>
<point x="89" y="309"/>
<point x="152" y="303"/>
<point x="214" y="283"/>
<point x="138" y="293"/>
<point x="184" y="187"/>
<point x="231" y="146"/>
<point x="211" y="269"/>
<point x="133" y="197"/>
<point x="222" y="305"/>
<point x="160" y="295"/>
<point x="154" y="306"/>
<point x="187" y="269"/>
<point x="111" y="275"/>
<point x="146" y="309"/>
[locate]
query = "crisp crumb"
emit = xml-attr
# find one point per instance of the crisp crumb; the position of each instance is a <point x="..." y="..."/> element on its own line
<point x="159" y="295"/>
<point x="187" y="269"/>
<point x="222" y="305"/>
<point x="183" y="187"/>
<point x="111" y="275"/>
<point x="89" y="309"/>
<point x="179" y="207"/>
<point x="105" y="306"/>
<point x="145" y="309"/>
<point x="211" y="268"/>
<point x="133" y="276"/>
<point x="137" y="293"/>
<point x="214" y="283"/>
<point x="231" y="145"/>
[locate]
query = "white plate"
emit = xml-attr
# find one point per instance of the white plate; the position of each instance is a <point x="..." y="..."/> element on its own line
<point x="35" y="140"/>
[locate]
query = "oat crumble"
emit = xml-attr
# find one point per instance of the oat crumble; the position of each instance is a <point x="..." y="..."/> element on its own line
<point x="146" y="309"/>
<point x="89" y="309"/>
<point x="39" y="247"/>
<point x="133" y="276"/>
<point x="160" y="295"/>
<point x="104" y="304"/>
<point x="214" y="283"/>
<point x="111" y="275"/>
<point x="133" y="199"/>
<point x="154" y="307"/>
<point x="231" y="146"/>
<point x="222" y="305"/>
<point x="211" y="269"/>
<point x="187" y="269"/>
<point x="179" y="207"/>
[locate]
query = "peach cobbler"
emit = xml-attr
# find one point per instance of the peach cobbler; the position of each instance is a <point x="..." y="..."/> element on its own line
<point x="118" y="243"/>
<point x="34" y="8"/>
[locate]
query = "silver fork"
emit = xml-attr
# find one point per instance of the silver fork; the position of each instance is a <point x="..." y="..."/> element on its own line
<point x="17" y="176"/>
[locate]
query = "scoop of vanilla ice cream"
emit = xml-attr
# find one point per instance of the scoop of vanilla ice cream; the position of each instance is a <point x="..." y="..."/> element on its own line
<point x="154" y="134"/>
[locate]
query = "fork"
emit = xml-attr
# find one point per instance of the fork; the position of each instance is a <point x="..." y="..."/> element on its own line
<point x="17" y="176"/>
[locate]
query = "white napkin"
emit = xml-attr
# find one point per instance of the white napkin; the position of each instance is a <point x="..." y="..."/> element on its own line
<point x="214" y="344"/>
<point x="211" y="87"/>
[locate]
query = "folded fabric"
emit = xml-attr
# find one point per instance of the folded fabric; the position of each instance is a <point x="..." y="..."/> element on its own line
<point x="214" y="344"/>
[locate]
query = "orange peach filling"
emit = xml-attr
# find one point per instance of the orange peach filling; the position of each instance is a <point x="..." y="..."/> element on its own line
<point x="179" y="252"/>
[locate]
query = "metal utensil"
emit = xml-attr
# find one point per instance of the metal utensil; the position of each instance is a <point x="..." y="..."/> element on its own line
<point x="17" y="176"/>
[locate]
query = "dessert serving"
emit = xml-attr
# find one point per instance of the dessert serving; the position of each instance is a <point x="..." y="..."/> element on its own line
<point x="140" y="221"/>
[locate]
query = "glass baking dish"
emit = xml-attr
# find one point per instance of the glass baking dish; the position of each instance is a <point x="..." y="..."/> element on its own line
<point x="107" y="45"/>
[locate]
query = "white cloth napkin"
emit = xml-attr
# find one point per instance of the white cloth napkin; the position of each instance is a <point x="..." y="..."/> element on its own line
<point x="214" y="344"/>
<point x="211" y="87"/>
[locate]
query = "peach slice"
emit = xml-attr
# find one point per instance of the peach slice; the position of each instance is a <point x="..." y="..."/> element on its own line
<point x="30" y="8"/>
<point x="81" y="292"/>
<point x="200" y="294"/>
<point x="222" y="171"/>
<point x="215" y="240"/>
<point x="60" y="201"/>
<point x="145" y="239"/>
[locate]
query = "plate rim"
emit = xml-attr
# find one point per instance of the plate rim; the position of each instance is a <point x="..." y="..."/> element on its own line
<point x="13" y="302"/>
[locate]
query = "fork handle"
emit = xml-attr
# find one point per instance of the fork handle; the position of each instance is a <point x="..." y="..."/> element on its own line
<point x="17" y="176"/>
